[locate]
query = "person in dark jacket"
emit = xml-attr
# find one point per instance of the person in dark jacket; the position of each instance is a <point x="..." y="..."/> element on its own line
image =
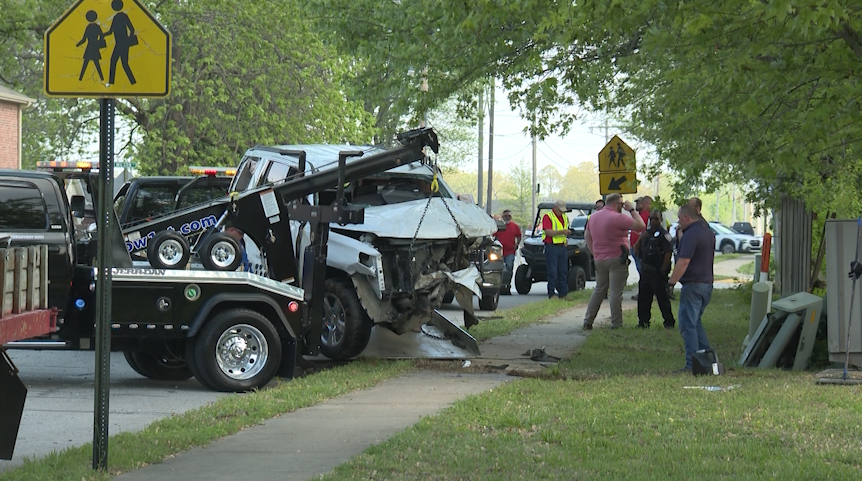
<point x="654" y="249"/>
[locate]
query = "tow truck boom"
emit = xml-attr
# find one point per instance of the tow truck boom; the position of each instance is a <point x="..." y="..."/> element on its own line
<point x="263" y="213"/>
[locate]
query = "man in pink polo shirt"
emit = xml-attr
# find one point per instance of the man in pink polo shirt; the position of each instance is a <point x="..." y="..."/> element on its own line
<point x="607" y="237"/>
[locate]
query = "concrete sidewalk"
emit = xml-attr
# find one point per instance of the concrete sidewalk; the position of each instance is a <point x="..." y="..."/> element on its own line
<point x="309" y="442"/>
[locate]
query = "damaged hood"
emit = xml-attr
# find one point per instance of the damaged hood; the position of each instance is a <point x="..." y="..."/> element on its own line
<point x="399" y="221"/>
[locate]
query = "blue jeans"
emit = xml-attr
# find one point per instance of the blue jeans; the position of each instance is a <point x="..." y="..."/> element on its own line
<point x="508" y="269"/>
<point x="558" y="269"/>
<point x="693" y="299"/>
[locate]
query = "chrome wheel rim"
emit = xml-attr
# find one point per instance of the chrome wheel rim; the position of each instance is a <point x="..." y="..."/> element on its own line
<point x="242" y="352"/>
<point x="223" y="254"/>
<point x="170" y="252"/>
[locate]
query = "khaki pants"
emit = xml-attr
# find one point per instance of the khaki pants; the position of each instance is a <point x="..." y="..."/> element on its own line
<point x="611" y="276"/>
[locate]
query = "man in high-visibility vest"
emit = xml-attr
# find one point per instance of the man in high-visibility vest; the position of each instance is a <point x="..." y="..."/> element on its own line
<point x="554" y="233"/>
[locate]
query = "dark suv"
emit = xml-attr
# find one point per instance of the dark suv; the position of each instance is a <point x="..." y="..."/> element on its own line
<point x="581" y="265"/>
<point x="743" y="228"/>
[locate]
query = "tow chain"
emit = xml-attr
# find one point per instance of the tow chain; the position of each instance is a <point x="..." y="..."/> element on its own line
<point x="435" y="187"/>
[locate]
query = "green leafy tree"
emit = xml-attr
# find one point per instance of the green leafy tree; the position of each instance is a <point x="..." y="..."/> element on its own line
<point x="759" y="93"/>
<point x="518" y="187"/>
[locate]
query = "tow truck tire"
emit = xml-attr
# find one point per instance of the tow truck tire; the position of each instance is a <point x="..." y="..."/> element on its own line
<point x="577" y="279"/>
<point x="220" y="252"/>
<point x="168" y="250"/>
<point x="237" y="350"/>
<point x="157" y="367"/>
<point x="523" y="283"/>
<point x="346" y="327"/>
<point x="490" y="299"/>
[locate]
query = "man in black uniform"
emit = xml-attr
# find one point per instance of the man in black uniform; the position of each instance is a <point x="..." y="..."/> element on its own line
<point x="654" y="249"/>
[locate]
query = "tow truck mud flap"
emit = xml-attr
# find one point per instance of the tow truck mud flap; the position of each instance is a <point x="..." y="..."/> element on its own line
<point x="12" y="396"/>
<point x="439" y="339"/>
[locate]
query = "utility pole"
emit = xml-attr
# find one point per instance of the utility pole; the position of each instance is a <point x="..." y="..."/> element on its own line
<point x="733" y="208"/>
<point x="488" y="205"/>
<point x="535" y="148"/>
<point x="481" y="142"/>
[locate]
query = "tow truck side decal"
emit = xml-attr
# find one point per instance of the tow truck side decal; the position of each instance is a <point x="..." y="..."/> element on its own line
<point x="136" y="242"/>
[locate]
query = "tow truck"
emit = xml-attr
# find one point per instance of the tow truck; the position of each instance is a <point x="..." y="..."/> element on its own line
<point x="233" y="331"/>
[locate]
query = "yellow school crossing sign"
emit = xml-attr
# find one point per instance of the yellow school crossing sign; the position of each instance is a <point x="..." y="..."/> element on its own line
<point x="617" y="168"/>
<point x="617" y="156"/>
<point x="107" y="48"/>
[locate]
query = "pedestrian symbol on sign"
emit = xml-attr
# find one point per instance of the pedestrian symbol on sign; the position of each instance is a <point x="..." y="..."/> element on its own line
<point x="124" y="36"/>
<point x="95" y="40"/>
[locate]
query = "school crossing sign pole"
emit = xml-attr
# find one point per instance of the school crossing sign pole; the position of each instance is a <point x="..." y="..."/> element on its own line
<point x="617" y="168"/>
<point x="106" y="49"/>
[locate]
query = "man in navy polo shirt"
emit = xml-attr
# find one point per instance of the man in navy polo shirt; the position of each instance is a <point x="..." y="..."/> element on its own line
<point x="694" y="270"/>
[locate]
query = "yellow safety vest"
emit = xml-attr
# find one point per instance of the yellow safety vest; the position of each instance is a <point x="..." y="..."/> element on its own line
<point x="555" y="225"/>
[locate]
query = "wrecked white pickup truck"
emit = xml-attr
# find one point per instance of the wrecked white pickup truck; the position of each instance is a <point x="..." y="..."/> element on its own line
<point x="395" y="268"/>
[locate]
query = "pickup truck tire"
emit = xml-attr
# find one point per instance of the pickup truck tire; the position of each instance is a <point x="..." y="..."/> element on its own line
<point x="220" y="252"/>
<point x="523" y="283"/>
<point x="577" y="278"/>
<point x="157" y="367"/>
<point x="490" y="300"/>
<point x="346" y="327"/>
<point x="168" y="250"/>
<point x="236" y="350"/>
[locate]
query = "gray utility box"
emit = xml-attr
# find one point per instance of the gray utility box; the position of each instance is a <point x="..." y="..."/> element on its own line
<point x="840" y="252"/>
<point x="785" y="337"/>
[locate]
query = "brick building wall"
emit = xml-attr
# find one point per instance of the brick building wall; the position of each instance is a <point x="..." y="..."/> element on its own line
<point x="9" y="135"/>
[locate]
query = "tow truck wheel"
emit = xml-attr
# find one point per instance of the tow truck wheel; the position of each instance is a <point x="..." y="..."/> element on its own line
<point x="158" y="367"/>
<point x="346" y="326"/>
<point x="523" y="283"/>
<point x="237" y="350"/>
<point x="221" y="252"/>
<point x="168" y="250"/>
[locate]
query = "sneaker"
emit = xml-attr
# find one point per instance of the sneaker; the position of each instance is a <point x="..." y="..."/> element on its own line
<point x="588" y="327"/>
<point x="644" y="325"/>
<point x="669" y="326"/>
<point x="616" y="327"/>
<point x="685" y="370"/>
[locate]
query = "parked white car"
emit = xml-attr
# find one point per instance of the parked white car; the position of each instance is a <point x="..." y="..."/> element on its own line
<point x="728" y="240"/>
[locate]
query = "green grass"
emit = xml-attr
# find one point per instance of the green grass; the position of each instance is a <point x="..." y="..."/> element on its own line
<point x="725" y="257"/>
<point x="199" y="427"/>
<point x="527" y="314"/>
<point x="747" y="269"/>
<point x="616" y="411"/>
